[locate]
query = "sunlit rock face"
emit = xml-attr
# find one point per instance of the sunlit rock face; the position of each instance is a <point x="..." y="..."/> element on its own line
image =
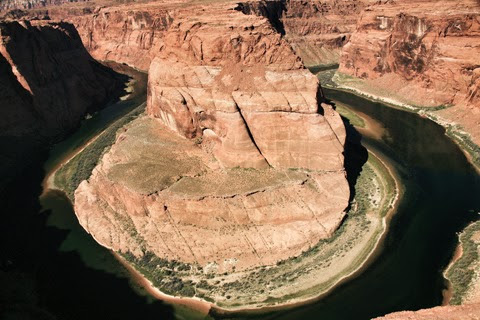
<point x="237" y="164"/>
<point x="237" y="85"/>
<point x="432" y="47"/>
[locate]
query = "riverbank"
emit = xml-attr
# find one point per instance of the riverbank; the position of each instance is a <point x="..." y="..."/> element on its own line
<point x="464" y="284"/>
<point x="330" y="78"/>
<point x="289" y="283"/>
<point x="463" y="272"/>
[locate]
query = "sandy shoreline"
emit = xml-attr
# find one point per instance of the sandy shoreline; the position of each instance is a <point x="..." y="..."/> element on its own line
<point x="197" y="304"/>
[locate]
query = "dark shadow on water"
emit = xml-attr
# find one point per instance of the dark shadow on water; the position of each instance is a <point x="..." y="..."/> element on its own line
<point x="52" y="272"/>
<point x="39" y="280"/>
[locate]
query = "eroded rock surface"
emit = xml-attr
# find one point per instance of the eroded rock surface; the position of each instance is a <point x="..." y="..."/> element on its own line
<point x="424" y="53"/>
<point x="159" y="192"/>
<point x="317" y="30"/>
<point x="49" y="79"/>
<point x="463" y="312"/>
<point x="238" y="165"/>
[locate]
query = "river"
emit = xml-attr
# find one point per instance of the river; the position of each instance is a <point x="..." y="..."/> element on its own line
<point x="58" y="271"/>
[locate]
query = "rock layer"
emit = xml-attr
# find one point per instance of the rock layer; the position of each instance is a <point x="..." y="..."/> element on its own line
<point x="206" y="179"/>
<point x="433" y="49"/>
<point x="463" y="312"/>
<point x="422" y="53"/>
<point x="244" y="93"/>
<point x="30" y="4"/>
<point x="131" y="34"/>
<point x="49" y="79"/>
<point x="158" y="192"/>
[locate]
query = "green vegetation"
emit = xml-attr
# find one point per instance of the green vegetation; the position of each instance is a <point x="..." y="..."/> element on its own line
<point x="354" y="119"/>
<point x="164" y="274"/>
<point x="463" y="139"/>
<point x="80" y="167"/>
<point x="462" y="271"/>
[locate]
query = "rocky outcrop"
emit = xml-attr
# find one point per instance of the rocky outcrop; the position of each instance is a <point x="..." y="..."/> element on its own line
<point x="49" y="80"/>
<point x="244" y="93"/>
<point x="463" y="312"/>
<point x="208" y="178"/>
<point x="423" y="53"/>
<point x="317" y="30"/>
<point x="130" y="34"/>
<point x="30" y="4"/>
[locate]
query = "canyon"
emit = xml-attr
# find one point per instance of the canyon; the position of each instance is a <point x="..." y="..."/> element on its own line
<point x="49" y="83"/>
<point x="236" y="128"/>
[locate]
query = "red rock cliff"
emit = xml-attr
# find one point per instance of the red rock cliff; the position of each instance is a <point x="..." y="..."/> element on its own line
<point x="49" y="79"/>
<point x="425" y="53"/>
<point x="316" y="29"/>
<point x="234" y="81"/>
<point x="226" y="93"/>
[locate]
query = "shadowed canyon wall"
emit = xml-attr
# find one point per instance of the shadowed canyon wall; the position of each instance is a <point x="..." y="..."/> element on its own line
<point x="49" y="82"/>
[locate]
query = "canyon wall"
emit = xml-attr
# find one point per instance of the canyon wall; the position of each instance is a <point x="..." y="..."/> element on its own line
<point x="317" y="30"/>
<point x="463" y="312"/>
<point x="30" y="4"/>
<point x="424" y="53"/>
<point x="50" y="80"/>
<point x="207" y="178"/>
<point x="133" y="33"/>
<point x="130" y="34"/>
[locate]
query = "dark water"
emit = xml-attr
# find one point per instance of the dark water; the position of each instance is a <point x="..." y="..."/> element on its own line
<point x="442" y="189"/>
<point x="51" y="269"/>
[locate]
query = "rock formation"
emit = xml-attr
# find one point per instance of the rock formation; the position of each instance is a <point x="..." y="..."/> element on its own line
<point x="207" y="178"/>
<point x="463" y="312"/>
<point x="30" y="4"/>
<point x="424" y="53"/>
<point x="317" y="30"/>
<point x="130" y="34"/>
<point x="49" y="79"/>
<point x="48" y="82"/>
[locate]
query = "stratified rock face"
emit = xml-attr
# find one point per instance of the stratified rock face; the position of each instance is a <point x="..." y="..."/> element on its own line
<point x="30" y="4"/>
<point x="127" y="34"/>
<point x="424" y="50"/>
<point x="463" y="312"/>
<point x="316" y="29"/>
<point x="205" y="178"/>
<point x="237" y="85"/>
<point x="49" y="81"/>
